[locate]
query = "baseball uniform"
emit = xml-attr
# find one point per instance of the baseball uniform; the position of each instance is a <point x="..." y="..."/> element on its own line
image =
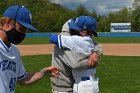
<point x="11" y="68"/>
<point x="65" y="60"/>
<point x="84" y="45"/>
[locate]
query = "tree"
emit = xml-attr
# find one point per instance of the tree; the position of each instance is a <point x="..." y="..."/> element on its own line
<point x="94" y="13"/>
<point x="136" y="18"/>
<point x="136" y="3"/>
<point x="103" y="24"/>
<point x="81" y="10"/>
<point x="136" y="15"/>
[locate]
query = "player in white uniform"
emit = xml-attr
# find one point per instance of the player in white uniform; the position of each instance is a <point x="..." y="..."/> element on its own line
<point x="85" y="81"/>
<point x="13" y="25"/>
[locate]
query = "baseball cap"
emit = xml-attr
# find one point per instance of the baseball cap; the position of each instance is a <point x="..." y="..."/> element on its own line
<point x="84" y="22"/>
<point x="21" y="15"/>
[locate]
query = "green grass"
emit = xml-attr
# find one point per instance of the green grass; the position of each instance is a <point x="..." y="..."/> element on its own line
<point x="117" y="39"/>
<point x="117" y="74"/>
<point x="36" y="40"/>
<point x="45" y="40"/>
<point x="32" y="64"/>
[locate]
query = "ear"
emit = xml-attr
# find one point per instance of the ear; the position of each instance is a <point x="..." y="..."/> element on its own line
<point x="8" y="22"/>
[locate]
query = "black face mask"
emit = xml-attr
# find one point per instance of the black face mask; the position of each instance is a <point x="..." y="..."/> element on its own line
<point x="14" y="36"/>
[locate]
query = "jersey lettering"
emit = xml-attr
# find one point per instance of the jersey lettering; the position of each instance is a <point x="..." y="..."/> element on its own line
<point x="12" y="84"/>
<point x="8" y="65"/>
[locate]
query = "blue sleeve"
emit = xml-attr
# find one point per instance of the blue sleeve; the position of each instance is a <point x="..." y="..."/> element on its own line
<point x="54" y="39"/>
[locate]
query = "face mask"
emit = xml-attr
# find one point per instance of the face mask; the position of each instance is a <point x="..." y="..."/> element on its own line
<point x="14" y="36"/>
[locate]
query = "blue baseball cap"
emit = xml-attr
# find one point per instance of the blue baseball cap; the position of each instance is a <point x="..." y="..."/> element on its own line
<point x="83" y="23"/>
<point x="21" y="15"/>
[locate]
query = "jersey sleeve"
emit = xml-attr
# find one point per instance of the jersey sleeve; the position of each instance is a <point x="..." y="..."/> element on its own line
<point x="69" y="42"/>
<point x="98" y="48"/>
<point x="21" y="72"/>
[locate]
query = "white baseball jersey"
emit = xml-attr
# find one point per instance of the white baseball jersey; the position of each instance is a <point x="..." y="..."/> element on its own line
<point x="11" y="68"/>
<point x="79" y="44"/>
<point x="76" y="43"/>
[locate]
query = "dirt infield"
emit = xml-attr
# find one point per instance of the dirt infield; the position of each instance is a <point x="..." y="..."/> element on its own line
<point x="108" y="49"/>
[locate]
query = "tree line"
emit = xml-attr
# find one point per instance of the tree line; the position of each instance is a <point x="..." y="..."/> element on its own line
<point x="50" y="17"/>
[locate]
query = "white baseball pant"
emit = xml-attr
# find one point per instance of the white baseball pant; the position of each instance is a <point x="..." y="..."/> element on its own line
<point x="86" y="85"/>
<point x="85" y="81"/>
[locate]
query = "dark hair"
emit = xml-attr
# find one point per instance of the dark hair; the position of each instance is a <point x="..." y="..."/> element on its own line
<point x="73" y="32"/>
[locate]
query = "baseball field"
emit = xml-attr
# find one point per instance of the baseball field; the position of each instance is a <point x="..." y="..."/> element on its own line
<point x="118" y="69"/>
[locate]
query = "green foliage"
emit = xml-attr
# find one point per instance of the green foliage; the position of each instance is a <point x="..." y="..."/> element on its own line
<point x="103" y="24"/>
<point x="118" y="17"/>
<point x="81" y="10"/>
<point x="47" y="16"/>
<point x="50" y="17"/>
<point x="136" y="18"/>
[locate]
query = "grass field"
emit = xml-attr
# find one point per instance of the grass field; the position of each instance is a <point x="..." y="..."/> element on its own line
<point x="32" y="64"/>
<point x="45" y="40"/>
<point x="117" y="74"/>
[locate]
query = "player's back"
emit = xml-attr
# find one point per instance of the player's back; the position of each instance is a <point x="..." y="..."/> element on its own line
<point x="78" y="44"/>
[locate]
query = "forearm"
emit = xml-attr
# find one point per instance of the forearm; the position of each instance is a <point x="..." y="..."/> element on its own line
<point x="98" y="49"/>
<point x="83" y="64"/>
<point x="32" y="77"/>
<point x="76" y="60"/>
<point x="51" y="71"/>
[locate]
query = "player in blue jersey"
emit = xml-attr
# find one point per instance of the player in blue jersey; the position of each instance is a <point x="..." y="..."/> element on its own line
<point x="13" y="26"/>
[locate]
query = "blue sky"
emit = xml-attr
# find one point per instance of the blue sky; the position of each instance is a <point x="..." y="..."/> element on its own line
<point x="101" y="6"/>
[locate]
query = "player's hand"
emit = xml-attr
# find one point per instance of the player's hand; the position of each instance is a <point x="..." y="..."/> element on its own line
<point x="51" y="71"/>
<point x="93" y="60"/>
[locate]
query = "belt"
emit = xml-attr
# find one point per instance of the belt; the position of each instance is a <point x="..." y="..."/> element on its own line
<point x="85" y="78"/>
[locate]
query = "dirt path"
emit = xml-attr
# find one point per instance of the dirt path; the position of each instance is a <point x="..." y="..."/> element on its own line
<point x="109" y="49"/>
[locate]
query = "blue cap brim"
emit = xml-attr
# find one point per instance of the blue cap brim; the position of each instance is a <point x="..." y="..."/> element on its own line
<point x="28" y="26"/>
<point x="72" y="25"/>
<point x="94" y="32"/>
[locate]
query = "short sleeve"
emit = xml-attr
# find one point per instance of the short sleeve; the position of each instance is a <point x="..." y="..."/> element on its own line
<point x="21" y="72"/>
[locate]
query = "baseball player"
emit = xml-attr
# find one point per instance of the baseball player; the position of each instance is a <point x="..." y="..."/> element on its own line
<point x="85" y="45"/>
<point x="66" y="60"/>
<point x="13" y="26"/>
